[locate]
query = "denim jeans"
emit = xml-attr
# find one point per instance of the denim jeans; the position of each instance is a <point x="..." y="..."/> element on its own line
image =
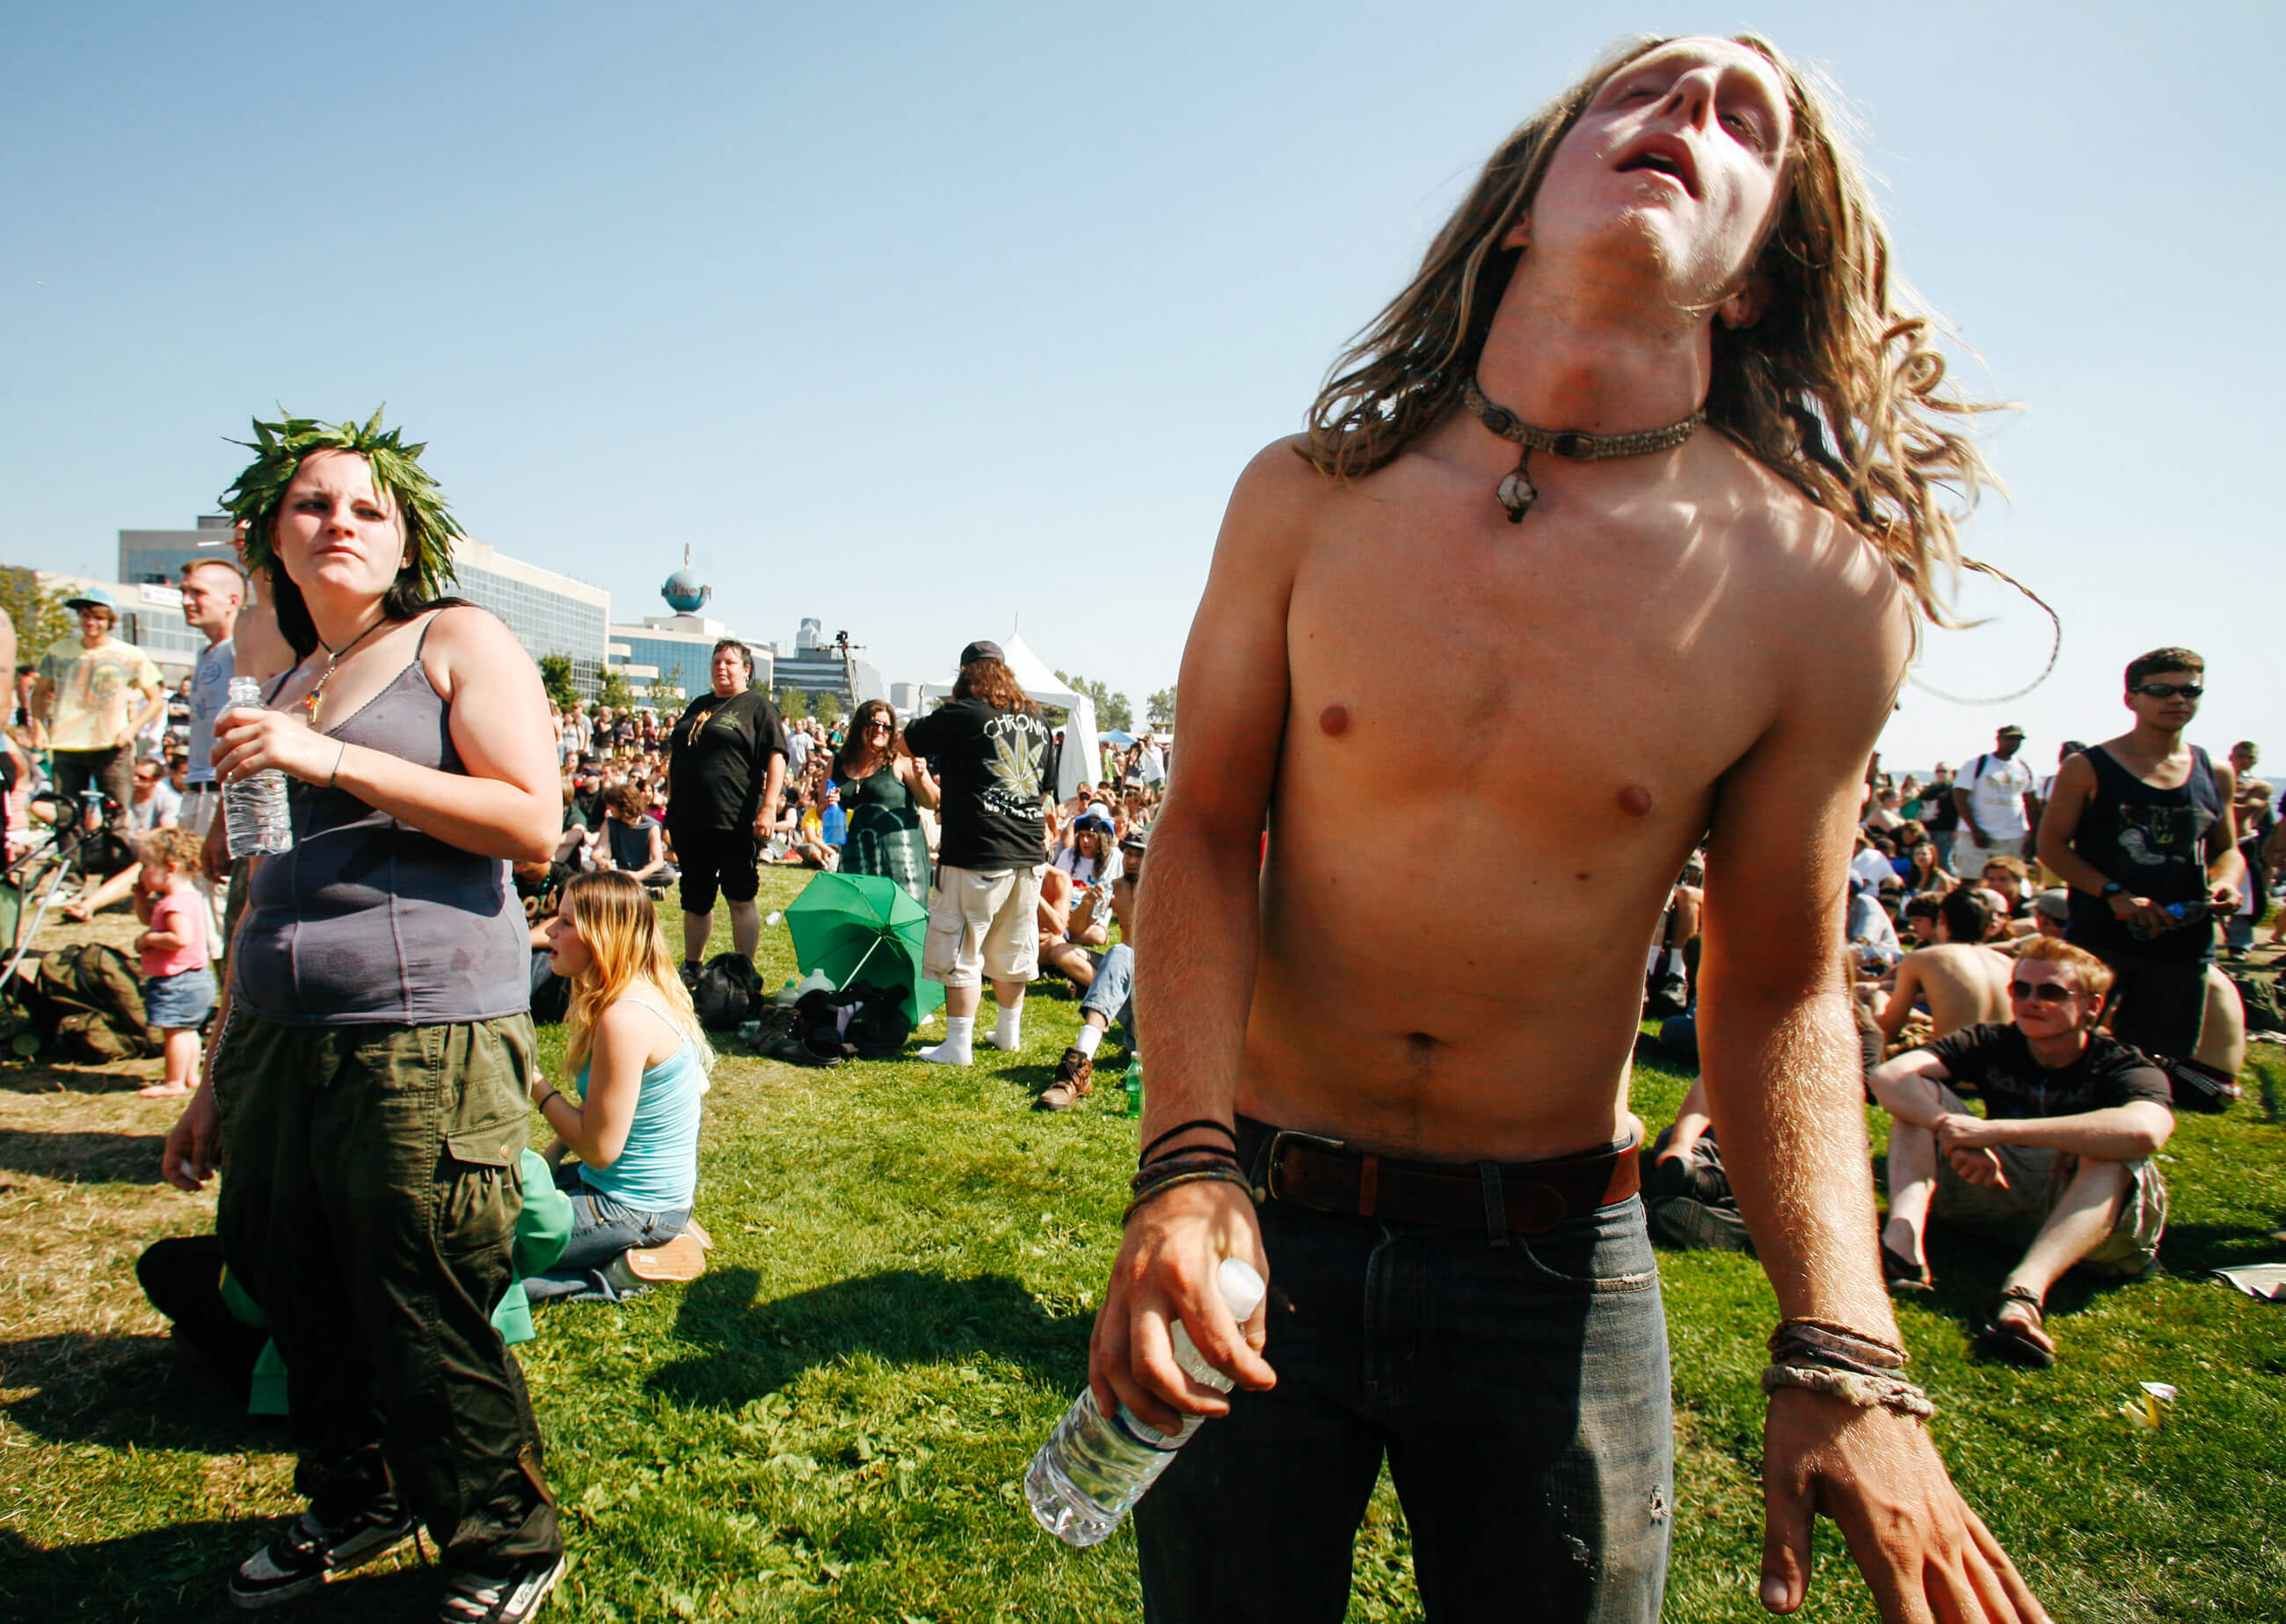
<point x="601" y="1229"/>
<point x="1520" y="1393"/>
<point x="1112" y="993"/>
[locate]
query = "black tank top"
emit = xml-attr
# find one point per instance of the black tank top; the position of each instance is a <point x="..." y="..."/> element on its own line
<point x="2153" y="842"/>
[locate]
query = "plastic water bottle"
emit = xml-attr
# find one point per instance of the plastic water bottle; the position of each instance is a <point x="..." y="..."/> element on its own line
<point x="1135" y="1084"/>
<point x="1094" y="1468"/>
<point x="256" y="818"/>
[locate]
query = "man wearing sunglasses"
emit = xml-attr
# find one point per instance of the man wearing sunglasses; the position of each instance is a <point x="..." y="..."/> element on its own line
<point x="2142" y="831"/>
<point x="2061" y="1162"/>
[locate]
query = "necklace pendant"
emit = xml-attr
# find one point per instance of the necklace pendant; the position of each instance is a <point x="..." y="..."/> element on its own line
<point x="1517" y="493"/>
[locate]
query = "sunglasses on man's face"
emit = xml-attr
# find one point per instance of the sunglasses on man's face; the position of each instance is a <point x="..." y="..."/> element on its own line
<point x="2169" y="691"/>
<point x="2046" y="992"/>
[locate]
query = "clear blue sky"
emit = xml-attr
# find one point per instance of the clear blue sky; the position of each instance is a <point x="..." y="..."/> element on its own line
<point x="924" y="318"/>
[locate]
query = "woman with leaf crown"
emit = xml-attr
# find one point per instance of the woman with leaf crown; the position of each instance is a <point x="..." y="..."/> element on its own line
<point x="367" y="1091"/>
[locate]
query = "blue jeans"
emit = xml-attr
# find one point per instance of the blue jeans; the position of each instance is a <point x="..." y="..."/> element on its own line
<point x="1112" y="993"/>
<point x="1520" y="1393"/>
<point x="601" y="1229"/>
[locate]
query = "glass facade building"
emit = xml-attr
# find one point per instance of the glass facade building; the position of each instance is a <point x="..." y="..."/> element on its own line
<point x="547" y="613"/>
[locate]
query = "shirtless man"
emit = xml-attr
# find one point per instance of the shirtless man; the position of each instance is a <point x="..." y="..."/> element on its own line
<point x="1964" y="982"/>
<point x="1702" y="642"/>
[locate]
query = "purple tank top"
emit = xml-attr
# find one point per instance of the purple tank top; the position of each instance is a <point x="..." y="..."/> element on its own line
<point x="367" y="920"/>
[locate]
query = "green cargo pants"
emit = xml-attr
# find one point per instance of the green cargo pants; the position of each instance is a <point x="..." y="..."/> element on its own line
<point x="370" y="1190"/>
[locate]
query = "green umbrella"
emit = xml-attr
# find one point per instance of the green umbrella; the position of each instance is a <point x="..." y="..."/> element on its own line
<point x="863" y="927"/>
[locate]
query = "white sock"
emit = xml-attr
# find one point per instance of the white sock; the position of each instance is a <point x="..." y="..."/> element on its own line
<point x="1008" y="1030"/>
<point x="1089" y="1037"/>
<point x="954" y="1051"/>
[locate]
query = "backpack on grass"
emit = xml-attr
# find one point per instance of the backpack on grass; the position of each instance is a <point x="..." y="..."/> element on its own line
<point x="724" y="997"/>
<point x="87" y="1001"/>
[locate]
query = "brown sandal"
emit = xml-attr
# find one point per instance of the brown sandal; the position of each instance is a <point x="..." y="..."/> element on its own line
<point x="2011" y="1341"/>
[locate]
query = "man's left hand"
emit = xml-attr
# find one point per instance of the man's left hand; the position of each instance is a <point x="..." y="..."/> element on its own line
<point x="2226" y="900"/>
<point x="1923" y="1552"/>
<point x="1959" y="1130"/>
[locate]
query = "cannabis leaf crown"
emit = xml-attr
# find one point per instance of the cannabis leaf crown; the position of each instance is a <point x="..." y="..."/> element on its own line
<point x="278" y="448"/>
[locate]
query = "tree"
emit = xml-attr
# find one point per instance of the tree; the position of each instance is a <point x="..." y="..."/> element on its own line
<point x="792" y="702"/>
<point x="40" y="616"/>
<point x="825" y="706"/>
<point x="612" y="690"/>
<point x="555" y="677"/>
<point x="1159" y="709"/>
<point x="1111" y="710"/>
<point x="667" y="692"/>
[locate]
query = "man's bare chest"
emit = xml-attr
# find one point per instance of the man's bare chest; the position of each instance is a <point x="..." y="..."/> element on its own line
<point x="1499" y="654"/>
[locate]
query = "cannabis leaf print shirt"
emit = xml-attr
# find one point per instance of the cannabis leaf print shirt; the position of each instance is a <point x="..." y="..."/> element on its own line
<point x="991" y="763"/>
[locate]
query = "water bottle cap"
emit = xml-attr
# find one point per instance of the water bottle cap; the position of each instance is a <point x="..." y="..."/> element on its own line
<point x="1242" y="1290"/>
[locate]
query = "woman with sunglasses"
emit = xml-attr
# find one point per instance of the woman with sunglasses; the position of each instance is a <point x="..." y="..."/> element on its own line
<point x="883" y="789"/>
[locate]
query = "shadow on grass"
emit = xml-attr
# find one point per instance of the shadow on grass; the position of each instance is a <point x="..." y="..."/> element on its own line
<point x="179" y="1571"/>
<point x="82" y="1158"/>
<point x="146" y="1390"/>
<point x="902" y="1316"/>
<point x="67" y="1080"/>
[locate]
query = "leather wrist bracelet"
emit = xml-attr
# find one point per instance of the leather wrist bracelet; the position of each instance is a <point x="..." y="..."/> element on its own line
<point x="1885" y="1392"/>
<point x="1159" y="1187"/>
<point x="1184" y="1127"/>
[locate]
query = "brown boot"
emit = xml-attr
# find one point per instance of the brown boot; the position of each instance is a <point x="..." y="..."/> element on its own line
<point x="1075" y="1076"/>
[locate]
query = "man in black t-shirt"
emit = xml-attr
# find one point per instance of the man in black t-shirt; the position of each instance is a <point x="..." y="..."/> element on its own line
<point x="990" y="744"/>
<point x="725" y="766"/>
<point x="2060" y="1162"/>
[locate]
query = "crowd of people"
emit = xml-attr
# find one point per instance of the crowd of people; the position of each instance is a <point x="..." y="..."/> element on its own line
<point x="2073" y="1008"/>
<point x="1433" y="1167"/>
<point x="360" y="1074"/>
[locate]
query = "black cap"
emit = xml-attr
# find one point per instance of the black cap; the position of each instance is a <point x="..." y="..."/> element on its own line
<point x="981" y="649"/>
<point x="1139" y="838"/>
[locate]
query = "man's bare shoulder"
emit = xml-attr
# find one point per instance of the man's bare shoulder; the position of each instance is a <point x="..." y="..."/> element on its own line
<point x="1803" y="548"/>
<point x="1818" y="579"/>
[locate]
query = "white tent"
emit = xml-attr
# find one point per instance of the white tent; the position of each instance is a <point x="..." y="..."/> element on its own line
<point x="1082" y="754"/>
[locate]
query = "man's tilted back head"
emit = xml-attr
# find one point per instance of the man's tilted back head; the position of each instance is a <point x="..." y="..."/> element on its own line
<point x="1837" y="384"/>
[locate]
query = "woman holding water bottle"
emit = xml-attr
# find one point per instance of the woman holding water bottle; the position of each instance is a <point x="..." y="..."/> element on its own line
<point x="368" y="1088"/>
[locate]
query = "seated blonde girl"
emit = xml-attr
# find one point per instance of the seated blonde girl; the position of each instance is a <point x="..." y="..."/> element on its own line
<point x="635" y="1046"/>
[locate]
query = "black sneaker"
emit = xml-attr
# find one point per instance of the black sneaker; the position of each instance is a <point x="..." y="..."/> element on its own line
<point x="691" y="969"/>
<point x="311" y="1552"/>
<point x="475" y="1598"/>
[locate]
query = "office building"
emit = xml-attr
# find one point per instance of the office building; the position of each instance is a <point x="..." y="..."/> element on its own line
<point x="547" y="613"/>
<point x="678" y="649"/>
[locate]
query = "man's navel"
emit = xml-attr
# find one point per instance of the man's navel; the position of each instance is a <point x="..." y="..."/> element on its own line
<point x="1333" y="720"/>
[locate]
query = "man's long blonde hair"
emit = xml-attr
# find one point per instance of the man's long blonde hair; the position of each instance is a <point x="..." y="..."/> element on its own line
<point x="620" y="927"/>
<point x="1837" y="386"/>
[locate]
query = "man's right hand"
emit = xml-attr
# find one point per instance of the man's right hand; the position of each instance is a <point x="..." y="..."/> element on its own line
<point x="1165" y="1272"/>
<point x="187" y="1160"/>
<point x="2129" y="910"/>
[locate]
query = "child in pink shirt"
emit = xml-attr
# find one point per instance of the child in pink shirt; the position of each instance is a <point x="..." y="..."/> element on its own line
<point x="178" y="989"/>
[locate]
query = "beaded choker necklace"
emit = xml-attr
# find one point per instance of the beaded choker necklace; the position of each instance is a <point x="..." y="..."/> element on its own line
<point x="309" y="704"/>
<point x="1515" y="491"/>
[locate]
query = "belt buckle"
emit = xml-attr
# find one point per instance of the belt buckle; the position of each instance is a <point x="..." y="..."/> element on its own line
<point x="1278" y="1138"/>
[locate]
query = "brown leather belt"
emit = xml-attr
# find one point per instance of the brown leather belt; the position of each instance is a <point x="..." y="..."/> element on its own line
<point x="1501" y="1198"/>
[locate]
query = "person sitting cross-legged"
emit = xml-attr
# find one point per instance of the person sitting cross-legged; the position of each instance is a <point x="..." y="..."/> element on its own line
<point x="2062" y="1160"/>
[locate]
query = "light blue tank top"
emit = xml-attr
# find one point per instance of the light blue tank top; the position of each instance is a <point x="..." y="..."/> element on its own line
<point x="657" y="1171"/>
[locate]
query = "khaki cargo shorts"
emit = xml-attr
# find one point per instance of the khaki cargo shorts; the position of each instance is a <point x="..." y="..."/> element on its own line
<point x="983" y="925"/>
<point x="2036" y="1177"/>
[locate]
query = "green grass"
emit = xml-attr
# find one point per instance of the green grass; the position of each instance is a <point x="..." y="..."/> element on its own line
<point x="832" y="1423"/>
